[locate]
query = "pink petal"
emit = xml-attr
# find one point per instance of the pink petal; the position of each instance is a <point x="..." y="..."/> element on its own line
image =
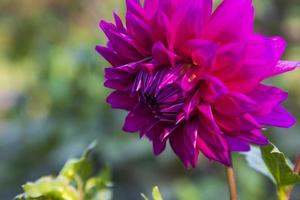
<point x="207" y="119"/>
<point x="285" y="66"/>
<point x="117" y="74"/>
<point x="151" y="7"/>
<point x="260" y="60"/>
<point x="188" y="20"/>
<point x="254" y="137"/>
<point x="236" y="123"/>
<point x="137" y="119"/>
<point x="192" y="103"/>
<point x="235" y="104"/>
<point x="231" y="21"/>
<point x="237" y="144"/>
<point x="140" y="32"/>
<point x="212" y="89"/>
<point x="162" y="55"/>
<point x="158" y="146"/>
<point x="111" y="56"/>
<point x="121" y="43"/>
<point x="278" y="117"/>
<point x="161" y="25"/>
<point x="214" y="147"/>
<point x="210" y="139"/>
<point x="267" y="97"/>
<point x="122" y="100"/>
<point x="118" y="79"/>
<point x="119" y="24"/>
<point x="134" y="7"/>
<point x="183" y="142"/>
<point x="228" y="60"/>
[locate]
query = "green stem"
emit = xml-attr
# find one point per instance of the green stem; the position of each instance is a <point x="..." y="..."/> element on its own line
<point x="80" y="186"/>
<point x="282" y="195"/>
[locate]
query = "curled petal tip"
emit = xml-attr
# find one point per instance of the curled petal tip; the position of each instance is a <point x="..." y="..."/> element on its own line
<point x="285" y="66"/>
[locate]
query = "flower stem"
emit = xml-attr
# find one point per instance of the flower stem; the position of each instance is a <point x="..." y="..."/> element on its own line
<point x="231" y="183"/>
<point x="282" y="195"/>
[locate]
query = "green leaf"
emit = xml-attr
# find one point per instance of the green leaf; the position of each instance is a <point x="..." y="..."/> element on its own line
<point x="49" y="188"/>
<point x="99" y="187"/>
<point x="279" y="167"/>
<point x="155" y="194"/>
<point x="272" y="163"/>
<point x="79" y="167"/>
<point x="255" y="161"/>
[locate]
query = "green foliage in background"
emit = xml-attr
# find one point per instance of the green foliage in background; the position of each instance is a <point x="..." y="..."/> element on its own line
<point x="74" y="182"/>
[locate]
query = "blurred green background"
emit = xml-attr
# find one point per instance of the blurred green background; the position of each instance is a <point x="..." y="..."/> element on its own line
<point x="52" y="104"/>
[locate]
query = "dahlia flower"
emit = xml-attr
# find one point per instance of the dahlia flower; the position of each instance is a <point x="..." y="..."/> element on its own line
<point x="193" y="76"/>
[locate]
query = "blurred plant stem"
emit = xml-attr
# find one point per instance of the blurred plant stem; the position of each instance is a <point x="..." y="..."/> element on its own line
<point x="282" y="195"/>
<point x="297" y="171"/>
<point x="231" y="183"/>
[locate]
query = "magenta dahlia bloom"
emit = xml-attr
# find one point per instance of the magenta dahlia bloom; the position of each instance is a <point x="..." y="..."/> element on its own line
<point x="193" y="76"/>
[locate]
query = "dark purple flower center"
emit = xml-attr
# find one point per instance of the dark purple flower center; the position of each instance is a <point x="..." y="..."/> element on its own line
<point x="160" y="94"/>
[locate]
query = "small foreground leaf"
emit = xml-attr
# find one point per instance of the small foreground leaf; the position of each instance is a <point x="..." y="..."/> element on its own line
<point x="155" y="194"/>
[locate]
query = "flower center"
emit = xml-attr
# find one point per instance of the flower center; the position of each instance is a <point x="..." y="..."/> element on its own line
<point x="160" y="94"/>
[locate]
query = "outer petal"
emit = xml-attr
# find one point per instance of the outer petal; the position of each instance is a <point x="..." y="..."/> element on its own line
<point x="122" y="100"/>
<point x="212" y="89"/>
<point x="231" y="21"/>
<point x="134" y="7"/>
<point x="122" y="85"/>
<point x="201" y="52"/>
<point x="158" y="146"/>
<point x="237" y="144"/>
<point x="154" y="135"/>
<point x="214" y="147"/>
<point x="140" y="32"/>
<point x="254" y="137"/>
<point x="188" y="20"/>
<point x="151" y="7"/>
<point x="235" y="104"/>
<point x="259" y="62"/>
<point x="162" y="27"/>
<point x="278" y="117"/>
<point x="210" y="140"/>
<point x="236" y="123"/>
<point x="117" y="74"/>
<point x="121" y="43"/>
<point x="162" y="55"/>
<point x="267" y="98"/>
<point x="285" y="66"/>
<point x="228" y="60"/>
<point x="137" y="119"/>
<point x="121" y="77"/>
<point x="183" y="142"/>
<point x="112" y="57"/>
<point x="119" y="23"/>
<point x="118" y="79"/>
